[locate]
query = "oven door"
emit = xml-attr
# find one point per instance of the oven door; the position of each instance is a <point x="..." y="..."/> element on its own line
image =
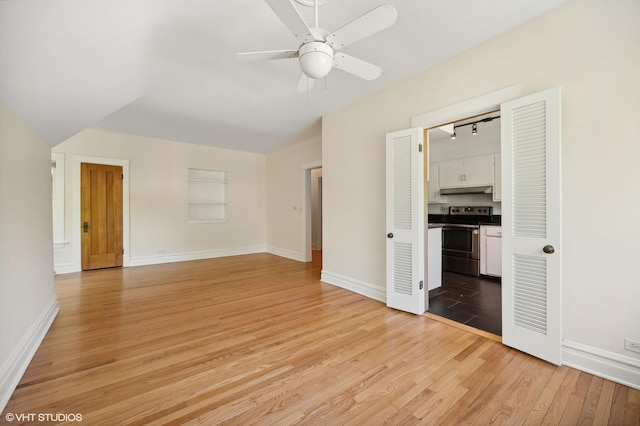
<point x="461" y="241"/>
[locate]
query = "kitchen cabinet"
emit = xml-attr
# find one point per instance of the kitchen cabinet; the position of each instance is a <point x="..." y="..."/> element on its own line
<point x="491" y="250"/>
<point x="434" y="185"/>
<point x="477" y="171"/>
<point x="434" y="257"/>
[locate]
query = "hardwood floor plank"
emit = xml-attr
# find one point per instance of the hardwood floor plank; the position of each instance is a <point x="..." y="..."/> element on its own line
<point x="632" y="409"/>
<point x="258" y="339"/>
<point x="561" y="399"/>
<point x="543" y="403"/>
<point x="524" y="393"/>
<point x="618" y="404"/>
<point x="605" y="401"/>
<point x="590" y="402"/>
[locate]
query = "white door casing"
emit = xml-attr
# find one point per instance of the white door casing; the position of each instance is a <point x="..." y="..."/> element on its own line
<point x="531" y="225"/>
<point x="405" y="221"/>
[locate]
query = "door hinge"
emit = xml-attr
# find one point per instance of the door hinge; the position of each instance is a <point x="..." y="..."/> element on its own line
<point x="123" y="251"/>
<point x="123" y="176"/>
<point x="421" y="285"/>
<point x="420" y="147"/>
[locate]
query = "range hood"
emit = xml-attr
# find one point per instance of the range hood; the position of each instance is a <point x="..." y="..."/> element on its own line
<point x="467" y="190"/>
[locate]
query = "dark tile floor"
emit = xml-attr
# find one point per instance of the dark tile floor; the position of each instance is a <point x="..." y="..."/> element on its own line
<point x="474" y="301"/>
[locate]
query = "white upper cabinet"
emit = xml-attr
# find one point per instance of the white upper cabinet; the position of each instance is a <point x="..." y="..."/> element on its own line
<point x="434" y="185"/>
<point x="466" y="172"/>
<point x="451" y="173"/>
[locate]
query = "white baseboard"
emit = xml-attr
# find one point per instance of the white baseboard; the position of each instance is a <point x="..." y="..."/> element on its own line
<point x="14" y="367"/>
<point x="608" y="365"/>
<point x="182" y="257"/>
<point x="286" y="253"/>
<point x="65" y="268"/>
<point x="356" y="286"/>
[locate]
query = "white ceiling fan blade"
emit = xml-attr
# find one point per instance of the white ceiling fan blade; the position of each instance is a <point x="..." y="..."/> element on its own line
<point x="305" y="83"/>
<point x="356" y="66"/>
<point x="267" y="55"/>
<point x="292" y="19"/>
<point x="370" y="23"/>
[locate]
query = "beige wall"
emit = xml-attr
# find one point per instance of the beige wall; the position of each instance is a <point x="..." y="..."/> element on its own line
<point x="27" y="299"/>
<point x="590" y="49"/>
<point x="286" y="204"/>
<point x="159" y="228"/>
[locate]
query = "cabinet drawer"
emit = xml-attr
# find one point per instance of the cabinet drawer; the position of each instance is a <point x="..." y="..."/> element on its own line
<point x="494" y="231"/>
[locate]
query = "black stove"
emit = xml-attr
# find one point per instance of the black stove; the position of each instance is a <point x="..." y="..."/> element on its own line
<point x="478" y="215"/>
<point x="461" y="237"/>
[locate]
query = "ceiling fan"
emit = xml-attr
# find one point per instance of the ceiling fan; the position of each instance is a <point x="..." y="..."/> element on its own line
<point x="319" y="49"/>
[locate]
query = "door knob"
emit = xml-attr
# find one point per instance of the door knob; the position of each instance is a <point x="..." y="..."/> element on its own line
<point x="548" y="249"/>
<point x="85" y="227"/>
<point x="390" y="235"/>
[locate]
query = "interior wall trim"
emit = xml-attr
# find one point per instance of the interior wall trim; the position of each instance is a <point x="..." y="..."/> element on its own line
<point x="65" y="268"/>
<point x="14" y="367"/>
<point x="468" y="108"/>
<point x="356" y="286"/>
<point x="293" y="255"/>
<point x="608" y="365"/>
<point x="199" y="255"/>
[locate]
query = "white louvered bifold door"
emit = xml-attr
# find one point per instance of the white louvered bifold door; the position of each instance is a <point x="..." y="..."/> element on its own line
<point x="405" y="221"/>
<point x="531" y="225"/>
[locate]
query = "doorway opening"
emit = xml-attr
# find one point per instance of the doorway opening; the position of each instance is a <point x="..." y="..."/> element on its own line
<point x="316" y="215"/>
<point x="312" y="223"/>
<point x="464" y="173"/>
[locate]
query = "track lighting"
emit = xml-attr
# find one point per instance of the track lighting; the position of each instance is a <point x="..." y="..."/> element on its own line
<point x="473" y="124"/>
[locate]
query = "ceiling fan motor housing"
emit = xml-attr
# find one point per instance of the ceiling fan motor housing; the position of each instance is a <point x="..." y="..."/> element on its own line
<point x="316" y="59"/>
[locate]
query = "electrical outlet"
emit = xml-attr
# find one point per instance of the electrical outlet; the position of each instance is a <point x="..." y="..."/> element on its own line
<point x="632" y="345"/>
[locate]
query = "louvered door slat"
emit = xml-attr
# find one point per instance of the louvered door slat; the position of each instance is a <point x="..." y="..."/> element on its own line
<point x="402" y="203"/>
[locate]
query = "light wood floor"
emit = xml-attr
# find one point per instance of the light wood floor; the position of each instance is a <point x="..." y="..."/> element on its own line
<point x="259" y="339"/>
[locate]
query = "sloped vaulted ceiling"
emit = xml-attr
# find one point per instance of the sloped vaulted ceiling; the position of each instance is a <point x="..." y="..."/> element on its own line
<point x="167" y="68"/>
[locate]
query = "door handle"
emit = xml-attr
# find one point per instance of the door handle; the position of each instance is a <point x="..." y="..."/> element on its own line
<point x="390" y="235"/>
<point x="85" y="227"/>
<point x="548" y="249"/>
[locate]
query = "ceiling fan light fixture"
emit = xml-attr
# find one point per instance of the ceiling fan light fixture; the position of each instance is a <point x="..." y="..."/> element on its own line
<point x="316" y="59"/>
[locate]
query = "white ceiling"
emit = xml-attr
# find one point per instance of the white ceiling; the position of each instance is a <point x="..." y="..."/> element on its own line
<point x="167" y="68"/>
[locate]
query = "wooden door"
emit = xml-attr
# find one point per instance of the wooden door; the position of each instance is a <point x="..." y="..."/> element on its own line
<point x="405" y="221"/>
<point x="101" y="216"/>
<point x="531" y="225"/>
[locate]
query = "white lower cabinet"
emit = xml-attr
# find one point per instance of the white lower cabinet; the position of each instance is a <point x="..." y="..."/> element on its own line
<point x="434" y="258"/>
<point x="491" y="250"/>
